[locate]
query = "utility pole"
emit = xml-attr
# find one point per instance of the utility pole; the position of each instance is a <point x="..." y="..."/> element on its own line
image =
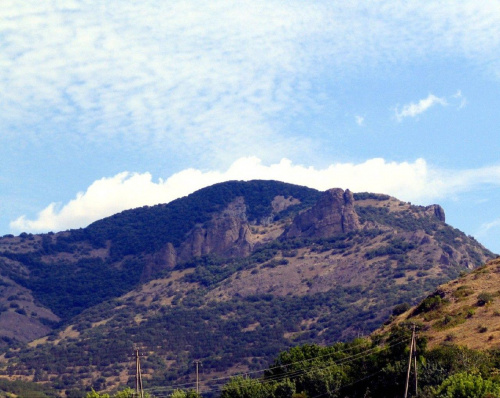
<point x="413" y="352"/>
<point x="415" y="361"/>
<point x="197" y="363"/>
<point x="139" y="392"/>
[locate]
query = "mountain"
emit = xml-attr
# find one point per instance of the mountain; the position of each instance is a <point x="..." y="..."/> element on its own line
<point x="463" y="312"/>
<point x="231" y="275"/>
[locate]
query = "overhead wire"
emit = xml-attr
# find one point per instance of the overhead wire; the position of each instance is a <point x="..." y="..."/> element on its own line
<point x="278" y="366"/>
<point x="266" y="369"/>
<point x="290" y="374"/>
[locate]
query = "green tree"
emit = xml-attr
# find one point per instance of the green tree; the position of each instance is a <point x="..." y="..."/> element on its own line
<point x="466" y="385"/>
<point x="185" y="394"/>
<point x="94" y="394"/>
<point x="127" y="393"/>
<point x="285" y="389"/>
<point x="239" y="387"/>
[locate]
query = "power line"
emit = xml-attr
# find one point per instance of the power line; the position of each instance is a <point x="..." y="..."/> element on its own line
<point x="281" y="366"/>
<point x="289" y="374"/>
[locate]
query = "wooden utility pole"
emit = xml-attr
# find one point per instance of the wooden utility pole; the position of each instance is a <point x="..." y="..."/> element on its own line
<point x="138" y="377"/>
<point x="415" y="362"/>
<point x="197" y="363"/>
<point x="413" y="352"/>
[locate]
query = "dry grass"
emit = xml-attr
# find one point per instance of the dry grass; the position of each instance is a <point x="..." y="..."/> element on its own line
<point x="69" y="332"/>
<point x="462" y="319"/>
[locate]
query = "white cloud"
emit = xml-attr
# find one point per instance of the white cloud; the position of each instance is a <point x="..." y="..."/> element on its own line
<point x="180" y="73"/>
<point x="360" y="120"/>
<point x="485" y="228"/>
<point x="415" y="109"/>
<point x="192" y="73"/>
<point x="411" y="181"/>
<point x="460" y="97"/>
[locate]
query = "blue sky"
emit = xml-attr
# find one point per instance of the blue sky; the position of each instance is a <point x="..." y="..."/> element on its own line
<point x="111" y="105"/>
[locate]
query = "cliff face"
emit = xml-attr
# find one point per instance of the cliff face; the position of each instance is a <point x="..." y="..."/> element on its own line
<point x="333" y="214"/>
<point x="228" y="233"/>
<point x="225" y="235"/>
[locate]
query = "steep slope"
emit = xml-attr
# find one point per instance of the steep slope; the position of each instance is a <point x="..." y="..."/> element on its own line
<point x="464" y="312"/>
<point x="232" y="275"/>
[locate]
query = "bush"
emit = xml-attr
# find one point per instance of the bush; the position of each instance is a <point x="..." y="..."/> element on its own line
<point x="429" y="304"/>
<point x="484" y="298"/>
<point x="400" y="308"/>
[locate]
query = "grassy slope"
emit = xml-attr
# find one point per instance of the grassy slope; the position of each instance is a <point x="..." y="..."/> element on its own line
<point x="459" y="316"/>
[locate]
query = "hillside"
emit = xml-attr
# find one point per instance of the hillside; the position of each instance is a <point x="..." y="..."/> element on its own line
<point x="232" y="275"/>
<point x="464" y="312"/>
<point x="111" y="256"/>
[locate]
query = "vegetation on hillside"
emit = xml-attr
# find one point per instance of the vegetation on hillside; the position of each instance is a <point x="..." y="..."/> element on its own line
<point x="243" y="331"/>
<point x="70" y="286"/>
<point x="363" y="367"/>
<point x="147" y="229"/>
<point x="463" y="311"/>
<point x="20" y="388"/>
<point x="372" y="368"/>
<point x="232" y="313"/>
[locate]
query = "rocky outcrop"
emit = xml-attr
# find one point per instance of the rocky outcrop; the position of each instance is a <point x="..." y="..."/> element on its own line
<point x="332" y="214"/>
<point x="166" y="258"/>
<point x="226" y="234"/>
<point x="436" y="211"/>
<point x="281" y="203"/>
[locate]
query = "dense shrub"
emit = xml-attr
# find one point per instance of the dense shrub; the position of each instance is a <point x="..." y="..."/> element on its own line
<point x="484" y="298"/>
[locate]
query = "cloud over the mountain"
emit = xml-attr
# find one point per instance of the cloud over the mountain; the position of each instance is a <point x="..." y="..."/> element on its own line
<point x="412" y="181"/>
<point x="192" y="74"/>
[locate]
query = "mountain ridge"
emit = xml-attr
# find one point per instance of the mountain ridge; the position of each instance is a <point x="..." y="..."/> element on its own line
<point x="265" y="263"/>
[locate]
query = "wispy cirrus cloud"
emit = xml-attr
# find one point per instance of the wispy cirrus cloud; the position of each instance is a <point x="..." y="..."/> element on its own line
<point x="487" y="228"/>
<point x="196" y="74"/>
<point x="415" y="181"/>
<point x="415" y="109"/>
<point x="460" y="97"/>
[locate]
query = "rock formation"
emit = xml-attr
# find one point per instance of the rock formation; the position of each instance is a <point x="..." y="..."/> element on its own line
<point x="226" y="234"/>
<point x="333" y="214"/>
<point x="437" y="211"/>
